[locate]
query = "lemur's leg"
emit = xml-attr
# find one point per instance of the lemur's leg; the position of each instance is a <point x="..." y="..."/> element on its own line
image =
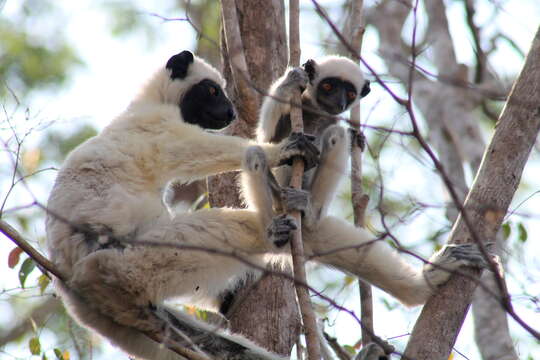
<point x="207" y="246"/>
<point x="332" y="168"/>
<point x="263" y="194"/>
<point x="354" y="250"/>
<point x="314" y="201"/>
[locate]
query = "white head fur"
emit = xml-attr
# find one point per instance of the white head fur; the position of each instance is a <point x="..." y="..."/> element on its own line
<point x="162" y="89"/>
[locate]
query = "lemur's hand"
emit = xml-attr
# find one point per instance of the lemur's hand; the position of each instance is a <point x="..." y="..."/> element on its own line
<point x="295" y="199"/>
<point x="280" y="230"/>
<point x="296" y="78"/>
<point x="358" y="139"/>
<point x="298" y="144"/>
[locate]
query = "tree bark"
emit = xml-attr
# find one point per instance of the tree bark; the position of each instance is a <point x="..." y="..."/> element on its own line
<point x="500" y="172"/>
<point x="265" y="312"/>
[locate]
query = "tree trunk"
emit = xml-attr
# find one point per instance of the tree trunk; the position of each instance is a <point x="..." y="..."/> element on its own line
<point x="265" y="312"/>
<point x="486" y="205"/>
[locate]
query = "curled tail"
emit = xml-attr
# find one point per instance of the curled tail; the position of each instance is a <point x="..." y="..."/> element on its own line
<point x="185" y="331"/>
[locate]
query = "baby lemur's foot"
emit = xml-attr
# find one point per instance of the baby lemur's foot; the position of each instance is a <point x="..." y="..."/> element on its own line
<point x="452" y="257"/>
<point x="299" y="144"/>
<point x="280" y="230"/>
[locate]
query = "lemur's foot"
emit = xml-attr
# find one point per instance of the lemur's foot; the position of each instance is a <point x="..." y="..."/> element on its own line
<point x="358" y="139"/>
<point x="296" y="78"/>
<point x="301" y="145"/>
<point x="295" y="199"/>
<point x="255" y="160"/>
<point x="452" y="257"/>
<point x="280" y="230"/>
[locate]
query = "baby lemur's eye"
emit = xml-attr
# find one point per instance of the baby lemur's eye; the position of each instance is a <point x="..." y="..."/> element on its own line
<point x="212" y="90"/>
<point x="326" y="87"/>
<point x="351" y="95"/>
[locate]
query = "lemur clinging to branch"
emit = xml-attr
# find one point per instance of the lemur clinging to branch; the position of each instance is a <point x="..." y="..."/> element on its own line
<point x="106" y="221"/>
<point x="330" y="85"/>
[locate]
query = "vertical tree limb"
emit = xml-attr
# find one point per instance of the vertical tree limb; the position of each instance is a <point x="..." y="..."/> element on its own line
<point x="297" y="248"/>
<point x="248" y="97"/>
<point x="358" y="198"/>
<point x="487" y="202"/>
<point x="265" y="311"/>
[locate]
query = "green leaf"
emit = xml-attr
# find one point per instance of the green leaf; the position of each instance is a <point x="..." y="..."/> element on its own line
<point x="58" y="354"/>
<point x="507" y="230"/>
<point x="43" y="282"/>
<point x="26" y="268"/>
<point x="522" y="233"/>
<point x="35" y="346"/>
<point x="44" y="357"/>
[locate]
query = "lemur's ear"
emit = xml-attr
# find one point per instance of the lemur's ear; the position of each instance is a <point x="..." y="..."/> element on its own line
<point x="365" y="89"/>
<point x="310" y="67"/>
<point x="179" y="64"/>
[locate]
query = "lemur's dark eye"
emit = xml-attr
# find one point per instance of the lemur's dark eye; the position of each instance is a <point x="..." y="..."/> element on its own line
<point x="351" y="95"/>
<point x="326" y="87"/>
<point x="212" y="90"/>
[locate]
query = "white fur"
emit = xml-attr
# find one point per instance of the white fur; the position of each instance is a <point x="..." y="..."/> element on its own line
<point x="114" y="182"/>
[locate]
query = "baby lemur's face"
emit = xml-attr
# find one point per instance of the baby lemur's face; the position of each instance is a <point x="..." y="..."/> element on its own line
<point x="335" y="83"/>
<point x="335" y="95"/>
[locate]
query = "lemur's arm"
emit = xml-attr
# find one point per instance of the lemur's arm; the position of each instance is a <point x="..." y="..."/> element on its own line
<point x="277" y="105"/>
<point x="190" y="153"/>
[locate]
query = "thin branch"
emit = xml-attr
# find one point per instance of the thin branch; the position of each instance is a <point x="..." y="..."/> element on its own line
<point x="297" y="247"/>
<point x="358" y="198"/>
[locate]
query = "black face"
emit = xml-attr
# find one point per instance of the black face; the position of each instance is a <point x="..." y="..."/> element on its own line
<point x="206" y="105"/>
<point x="335" y="95"/>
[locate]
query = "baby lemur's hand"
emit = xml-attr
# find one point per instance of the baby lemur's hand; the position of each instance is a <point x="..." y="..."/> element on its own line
<point x="357" y="139"/>
<point x="295" y="199"/>
<point x="299" y="144"/>
<point x="296" y="78"/>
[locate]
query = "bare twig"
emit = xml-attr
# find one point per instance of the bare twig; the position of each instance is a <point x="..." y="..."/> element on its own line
<point x="297" y="248"/>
